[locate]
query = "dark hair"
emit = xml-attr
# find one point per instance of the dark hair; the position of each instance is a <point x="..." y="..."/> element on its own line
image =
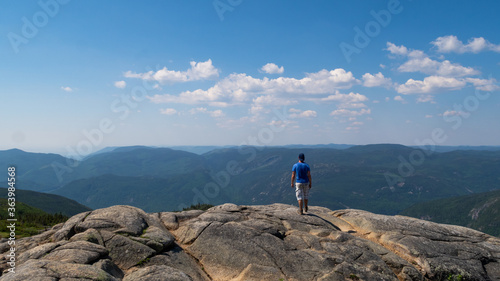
<point x="302" y="157"/>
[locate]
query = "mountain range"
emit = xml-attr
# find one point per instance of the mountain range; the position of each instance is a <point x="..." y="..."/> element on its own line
<point x="383" y="178"/>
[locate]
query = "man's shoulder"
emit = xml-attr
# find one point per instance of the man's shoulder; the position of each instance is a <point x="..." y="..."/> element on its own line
<point x="302" y="164"/>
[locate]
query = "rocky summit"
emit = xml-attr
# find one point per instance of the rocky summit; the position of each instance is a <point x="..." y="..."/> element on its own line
<point x="271" y="242"/>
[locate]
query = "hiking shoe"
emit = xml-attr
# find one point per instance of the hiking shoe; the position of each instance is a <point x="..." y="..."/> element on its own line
<point x="299" y="212"/>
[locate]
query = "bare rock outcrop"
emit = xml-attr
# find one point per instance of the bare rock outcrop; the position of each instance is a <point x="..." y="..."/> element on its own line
<point x="241" y="243"/>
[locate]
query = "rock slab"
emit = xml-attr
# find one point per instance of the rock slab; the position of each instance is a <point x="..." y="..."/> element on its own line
<point x="241" y="243"/>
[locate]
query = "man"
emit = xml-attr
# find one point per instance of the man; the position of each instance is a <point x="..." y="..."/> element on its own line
<point x="302" y="172"/>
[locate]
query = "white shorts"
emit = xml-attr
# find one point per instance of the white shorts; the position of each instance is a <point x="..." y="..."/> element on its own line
<point x="302" y="190"/>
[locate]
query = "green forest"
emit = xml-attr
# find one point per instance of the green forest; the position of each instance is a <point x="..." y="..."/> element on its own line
<point x="30" y="220"/>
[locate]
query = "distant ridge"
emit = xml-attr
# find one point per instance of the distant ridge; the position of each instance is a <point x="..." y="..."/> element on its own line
<point x="443" y="148"/>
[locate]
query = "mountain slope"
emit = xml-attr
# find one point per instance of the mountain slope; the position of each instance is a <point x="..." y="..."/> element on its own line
<point x="477" y="211"/>
<point x="29" y="220"/>
<point x="153" y="194"/>
<point x="49" y="203"/>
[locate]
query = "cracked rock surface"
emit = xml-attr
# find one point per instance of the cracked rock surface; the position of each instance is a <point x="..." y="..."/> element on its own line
<point x="240" y="243"/>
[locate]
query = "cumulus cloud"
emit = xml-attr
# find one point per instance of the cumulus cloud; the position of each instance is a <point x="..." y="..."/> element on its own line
<point x="168" y="111"/>
<point x="487" y="85"/>
<point x="432" y="67"/>
<point x="403" y="51"/>
<point x="397" y="50"/>
<point x="351" y="100"/>
<point x="67" y="89"/>
<point x="215" y="113"/>
<point x="272" y="68"/>
<point x="297" y="113"/>
<point x="431" y="84"/>
<point x="120" y="84"/>
<point x="377" y="80"/>
<point x="425" y="98"/>
<point x="400" y="99"/>
<point x="451" y="44"/>
<point x="239" y="88"/>
<point x="448" y="113"/>
<point x="350" y="113"/>
<point x="198" y="71"/>
<point x="418" y="61"/>
<point x="434" y="84"/>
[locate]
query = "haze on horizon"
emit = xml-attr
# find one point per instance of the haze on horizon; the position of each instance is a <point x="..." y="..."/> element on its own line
<point x="81" y="76"/>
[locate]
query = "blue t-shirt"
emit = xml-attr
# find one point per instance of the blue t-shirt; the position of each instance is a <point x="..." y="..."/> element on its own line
<point x="301" y="170"/>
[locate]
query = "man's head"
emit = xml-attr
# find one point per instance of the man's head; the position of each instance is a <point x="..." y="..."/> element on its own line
<point x="302" y="157"/>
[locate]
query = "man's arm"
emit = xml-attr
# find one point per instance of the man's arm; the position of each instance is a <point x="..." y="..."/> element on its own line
<point x="309" y="176"/>
<point x="293" y="178"/>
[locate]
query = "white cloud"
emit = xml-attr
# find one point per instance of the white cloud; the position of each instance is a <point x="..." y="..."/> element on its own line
<point x="120" y="84"/>
<point x="397" y="50"/>
<point x="455" y="113"/>
<point x="377" y="80"/>
<point x="450" y="43"/>
<point x="400" y="99"/>
<point x="346" y="98"/>
<point x="382" y="66"/>
<point x="432" y="67"/>
<point x="418" y="61"/>
<point x="198" y="71"/>
<point x="350" y="113"/>
<point x="215" y="113"/>
<point x="403" y="51"/>
<point x="428" y="116"/>
<point x="433" y="84"/>
<point x="297" y="113"/>
<point x="426" y="98"/>
<point x="272" y="100"/>
<point x="272" y="68"/>
<point x="430" y="84"/>
<point x="240" y="88"/>
<point x="67" y="89"/>
<point x="351" y="100"/>
<point x="487" y="85"/>
<point x="168" y="111"/>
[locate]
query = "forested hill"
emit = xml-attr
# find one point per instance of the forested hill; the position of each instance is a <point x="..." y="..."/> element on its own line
<point x="477" y="211"/>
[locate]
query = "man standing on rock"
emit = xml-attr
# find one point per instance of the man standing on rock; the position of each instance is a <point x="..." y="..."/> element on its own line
<point x="302" y="172"/>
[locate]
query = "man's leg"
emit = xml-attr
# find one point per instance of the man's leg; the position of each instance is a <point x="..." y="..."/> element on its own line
<point x="300" y="206"/>
<point x="305" y="205"/>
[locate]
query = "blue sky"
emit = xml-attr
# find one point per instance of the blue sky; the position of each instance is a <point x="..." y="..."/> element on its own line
<point x="77" y="76"/>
